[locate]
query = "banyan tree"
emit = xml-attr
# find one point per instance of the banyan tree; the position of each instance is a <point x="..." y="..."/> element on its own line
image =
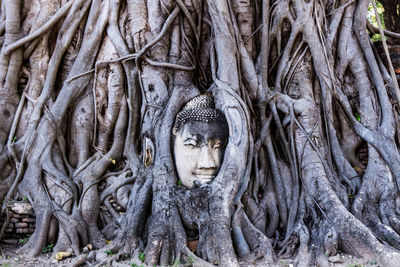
<point x="92" y="94"/>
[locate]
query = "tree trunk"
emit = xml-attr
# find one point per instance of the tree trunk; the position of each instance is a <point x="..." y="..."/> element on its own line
<point x="89" y="93"/>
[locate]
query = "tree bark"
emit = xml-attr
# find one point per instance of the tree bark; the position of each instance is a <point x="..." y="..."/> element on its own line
<point x="89" y="92"/>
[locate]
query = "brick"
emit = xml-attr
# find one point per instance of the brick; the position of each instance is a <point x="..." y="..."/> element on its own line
<point x="14" y="220"/>
<point x="32" y="225"/>
<point x="21" y="225"/>
<point x="28" y="219"/>
<point x="23" y="231"/>
<point x="9" y="230"/>
<point x="10" y="241"/>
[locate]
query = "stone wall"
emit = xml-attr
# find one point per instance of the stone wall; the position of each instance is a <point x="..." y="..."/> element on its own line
<point x="394" y="51"/>
<point x="21" y="223"/>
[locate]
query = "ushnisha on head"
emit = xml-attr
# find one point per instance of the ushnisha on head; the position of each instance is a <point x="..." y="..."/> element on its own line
<point x="201" y="135"/>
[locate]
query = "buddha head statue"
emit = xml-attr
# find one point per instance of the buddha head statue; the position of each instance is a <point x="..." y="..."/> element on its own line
<point x="200" y="137"/>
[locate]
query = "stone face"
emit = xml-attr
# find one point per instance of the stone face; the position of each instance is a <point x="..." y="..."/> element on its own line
<point x="200" y="136"/>
<point x="198" y="152"/>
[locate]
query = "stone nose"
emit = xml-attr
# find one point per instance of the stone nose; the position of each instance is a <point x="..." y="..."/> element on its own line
<point x="206" y="160"/>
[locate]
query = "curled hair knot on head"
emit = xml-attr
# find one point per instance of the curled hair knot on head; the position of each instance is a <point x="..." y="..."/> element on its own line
<point x="199" y="108"/>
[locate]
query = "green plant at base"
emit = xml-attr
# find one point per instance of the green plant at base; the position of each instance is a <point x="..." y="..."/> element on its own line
<point x="109" y="253"/>
<point x="142" y="257"/>
<point x="23" y="241"/>
<point x="48" y="248"/>
<point x="355" y="265"/>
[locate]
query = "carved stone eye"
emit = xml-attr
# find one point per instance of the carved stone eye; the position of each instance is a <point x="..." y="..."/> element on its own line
<point x="217" y="145"/>
<point x="191" y="143"/>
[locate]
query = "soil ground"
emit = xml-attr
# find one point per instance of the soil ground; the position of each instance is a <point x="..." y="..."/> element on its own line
<point x="10" y="258"/>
